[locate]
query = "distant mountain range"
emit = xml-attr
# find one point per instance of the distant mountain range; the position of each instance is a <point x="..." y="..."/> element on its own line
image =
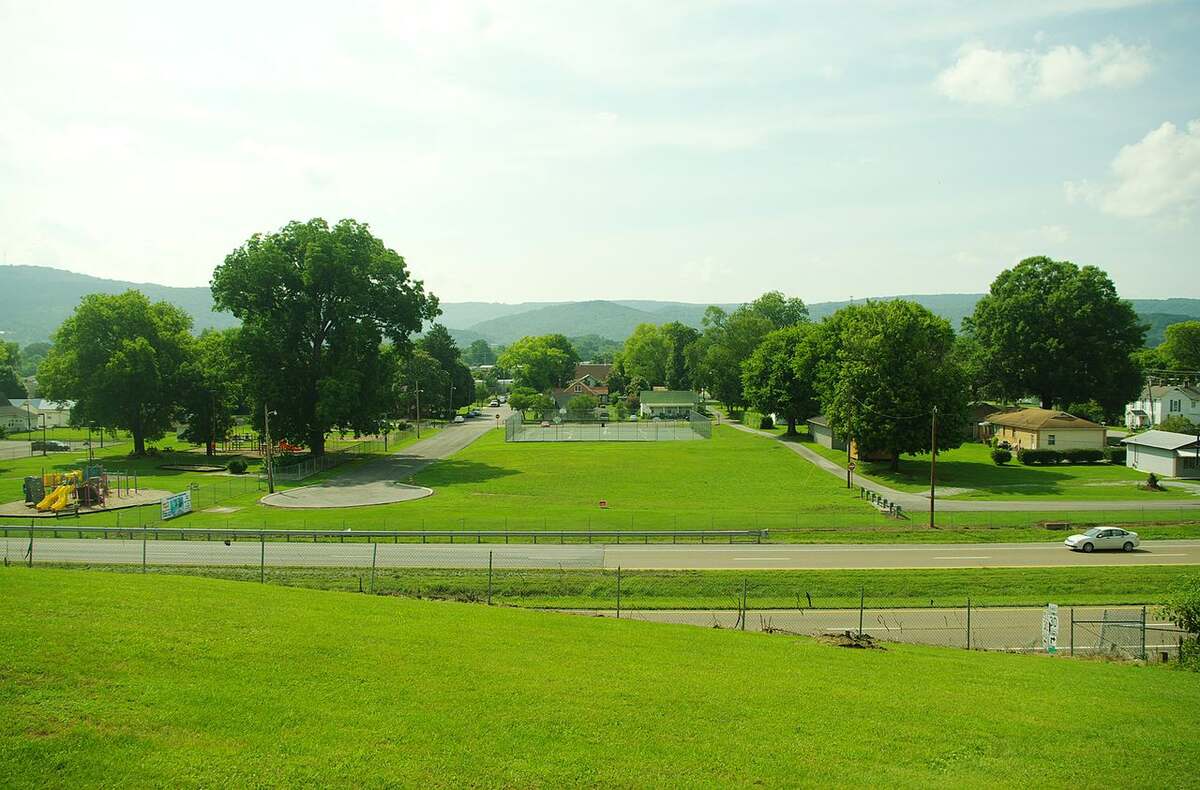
<point x="36" y="299"/>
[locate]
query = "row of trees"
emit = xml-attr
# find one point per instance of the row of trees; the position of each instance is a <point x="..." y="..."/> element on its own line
<point x="325" y="343"/>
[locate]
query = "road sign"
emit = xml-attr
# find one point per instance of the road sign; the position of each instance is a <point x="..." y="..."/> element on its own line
<point x="851" y="466"/>
<point x="1050" y="628"/>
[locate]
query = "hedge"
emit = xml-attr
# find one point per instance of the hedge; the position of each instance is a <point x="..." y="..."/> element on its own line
<point x="1116" y="455"/>
<point x="1083" y="455"/>
<point x="1038" y="457"/>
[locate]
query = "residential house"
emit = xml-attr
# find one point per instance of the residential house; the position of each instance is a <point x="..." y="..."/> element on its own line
<point x="13" y="418"/>
<point x="668" y="403"/>
<point x="1160" y="401"/>
<point x="1164" y="453"/>
<point x="590" y="379"/>
<point x="1046" y="429"/>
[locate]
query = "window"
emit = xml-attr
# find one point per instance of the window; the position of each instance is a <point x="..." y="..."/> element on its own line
<point x="579" y="388"/>
<point x="1050" y="440"/>
<point x="1177" y="405"/>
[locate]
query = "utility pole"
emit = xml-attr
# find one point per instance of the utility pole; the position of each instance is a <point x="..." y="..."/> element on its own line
<point x="43" y="416"/>
<point x="452" y="410"/>
<point x="932" y="466"/>
<point x="418" y="385"/>
<point x="267" y="449"/>
<point x="849" y="468"/>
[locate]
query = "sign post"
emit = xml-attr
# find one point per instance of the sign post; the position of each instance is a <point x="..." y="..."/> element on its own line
<point x="1050" y="628"/>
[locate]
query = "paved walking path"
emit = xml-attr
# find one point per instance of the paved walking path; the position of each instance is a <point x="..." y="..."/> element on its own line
<point x="378" y="482"/>
<point x="916" y="503"/>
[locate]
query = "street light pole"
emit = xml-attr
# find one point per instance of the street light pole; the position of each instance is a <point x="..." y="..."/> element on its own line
<point x="267" y="449"/>
<point x="43" y="416"/>
<point x="932" y="466"/>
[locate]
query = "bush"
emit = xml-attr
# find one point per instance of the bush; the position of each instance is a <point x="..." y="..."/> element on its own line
<point x="1083" y="455"/>
<point x="1177" y="423"/>
<point x="1039" y="457"/>
<point x="1001" y="456"/>
<point x="1116" y="455"/>
<point x="237" y="466"/>
<point x="1152" y="482"/>
<point x="1183" y="609"/>
<point x="766" y="423"/>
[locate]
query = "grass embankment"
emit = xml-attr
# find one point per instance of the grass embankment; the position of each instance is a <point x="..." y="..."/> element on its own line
<point x="174" y="681"/>
<point x="971" y="466"/>
<point x="717" y="589"/>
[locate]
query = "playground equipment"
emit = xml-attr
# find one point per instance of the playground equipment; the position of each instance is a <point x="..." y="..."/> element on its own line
<point x="89" y="487"/>
<point x="287" y="447"/>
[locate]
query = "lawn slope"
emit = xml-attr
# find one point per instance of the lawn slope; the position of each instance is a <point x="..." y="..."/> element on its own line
<point x="125" y="680"/>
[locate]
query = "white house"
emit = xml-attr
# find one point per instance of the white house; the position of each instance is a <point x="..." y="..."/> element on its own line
<point x="822" y="434"/>
<point x="57" y="413"/>
<point x="12" y="418"/>
<point x="1164" y="453"/>
<point x="1158" y="402"/>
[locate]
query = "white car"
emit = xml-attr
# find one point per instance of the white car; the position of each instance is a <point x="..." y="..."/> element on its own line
<point x="1103" y="538"/>
<point x="459" y="418"/>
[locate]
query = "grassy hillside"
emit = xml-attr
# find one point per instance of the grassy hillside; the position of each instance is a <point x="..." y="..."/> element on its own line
<point x="177" y="681"/>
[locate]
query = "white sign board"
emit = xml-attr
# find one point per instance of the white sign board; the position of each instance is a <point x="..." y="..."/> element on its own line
<point x="176" y="505"/>
<point x="1050" y="628"/>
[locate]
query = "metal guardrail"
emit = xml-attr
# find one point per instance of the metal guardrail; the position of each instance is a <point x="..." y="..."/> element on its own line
<point x="395" y="536"/>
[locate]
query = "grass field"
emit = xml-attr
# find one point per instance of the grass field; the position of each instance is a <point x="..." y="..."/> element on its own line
<point x="971" y="466"/>
<point x="777" y="589"/>
<point x="178" y="681"/>
<point x="736" y="481"/>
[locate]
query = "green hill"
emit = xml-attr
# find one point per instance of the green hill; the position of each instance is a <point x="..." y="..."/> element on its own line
<point x="151" y="681"/>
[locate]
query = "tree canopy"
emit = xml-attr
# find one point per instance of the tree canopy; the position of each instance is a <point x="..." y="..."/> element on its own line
<point x="316" y="302"/>
<point x="894" y="365"/>
<point x="120" y="358"/>
<point x="438" y="343"/>
<point x="479" y="353"/>
<point x="715" y="359"/>
<point x="210" y="390"/>
<point x="1182" y="345"/>
<point x="780" y="376"/>
<point x="646" y="354"/>
<point x="542" y="362"/>
<point x="420" y="376"/>
<point x="1060" y="332"/>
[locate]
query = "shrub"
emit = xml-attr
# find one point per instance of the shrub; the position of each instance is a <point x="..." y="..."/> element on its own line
<point x="1001" y="456"/>
<point x="237" y="466"/>
<point x="1083" y="455"/>
<point x="1183" y="609"/>
<point x="766" y="423"/>
<point x="1116" y="455"/>
<point x="1152" y="482"/>
<point x="1038" y="457"/>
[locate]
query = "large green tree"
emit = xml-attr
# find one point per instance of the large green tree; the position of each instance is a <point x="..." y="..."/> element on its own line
<point x="120" y="359"/>
<point x="10" y="383"/>
<point x="780" y="310"/>
<point x="211" y="387"/>
<point x="715" y="359"/>
<point x="540" y="363"/>
<point x="779" y="377"/>
<point x="479" y="353"/>
<point x="32" y="356"/>
<point x="1182" y="345"/>
<point x="646" y="354"/>
<point x="1060" y="332"/>
<point x="439" y="344"/>
<point x="316" y="303"/>
<point x="893" y="365"/>
<point x="418" y="377"/>
<point x="679" y="336"/>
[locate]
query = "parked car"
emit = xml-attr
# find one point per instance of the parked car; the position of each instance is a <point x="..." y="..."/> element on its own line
<point x="459" y="418"/>
<point x="1103" y="538"/>
<point x="50" y="445"/>
<point x="494" y="403"/>
<point x="504" y="399"/>
<point x="545" y="423"/>
<point x="475" y="413"/>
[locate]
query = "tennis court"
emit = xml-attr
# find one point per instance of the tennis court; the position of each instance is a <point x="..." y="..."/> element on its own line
<point x="559" y="427"/>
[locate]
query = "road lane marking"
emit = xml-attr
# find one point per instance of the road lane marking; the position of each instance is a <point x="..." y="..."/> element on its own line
<point x="759" y="559"/>
<point x="963" y="558"/>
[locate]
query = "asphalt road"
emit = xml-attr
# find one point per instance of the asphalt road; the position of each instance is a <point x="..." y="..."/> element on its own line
<point x="379" y="482"/>
<point x="643" y="557"/>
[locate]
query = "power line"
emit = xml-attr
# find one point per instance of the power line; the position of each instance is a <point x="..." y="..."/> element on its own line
<point x="888" y="416"/>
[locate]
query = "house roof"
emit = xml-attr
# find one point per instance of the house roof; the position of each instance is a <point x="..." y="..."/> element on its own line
<point x="596" y="370"/>
<point x="584" y="387"/>
<point x="42" y="403"/>
<point x="1039" y="419"/>
<point x="820" y="420"/>
<point x="1163" y="440"/>
<point x="1160" y="390"/>
<point x="8" y="410"/>
<point x="668" y="397"/>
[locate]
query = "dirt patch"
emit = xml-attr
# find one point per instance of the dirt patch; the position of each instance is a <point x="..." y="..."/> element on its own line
<point x="192" y="468"/>
<point x="851" y="639"/>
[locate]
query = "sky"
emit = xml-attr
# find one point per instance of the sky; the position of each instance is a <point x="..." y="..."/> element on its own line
<point x="700" y="151"/>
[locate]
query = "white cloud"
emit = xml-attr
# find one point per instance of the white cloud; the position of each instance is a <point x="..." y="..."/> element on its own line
<point x="1158" y="175"/>
<point x="1001" y="77"/>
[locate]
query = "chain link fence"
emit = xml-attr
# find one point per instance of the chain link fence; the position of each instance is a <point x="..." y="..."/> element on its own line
<point x="556" y="426"/>
<point x="573" y="578"/>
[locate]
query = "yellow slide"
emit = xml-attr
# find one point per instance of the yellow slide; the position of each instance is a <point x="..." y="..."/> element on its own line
<point x="56" y="500"/>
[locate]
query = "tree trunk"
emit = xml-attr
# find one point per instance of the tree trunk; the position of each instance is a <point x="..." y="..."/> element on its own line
<point x="895" y="463"/>
<point x="791" y="431"/>
<point x="139" y="441"/>
<point x="316" y="443"/>
<point x="1047" y="402"/>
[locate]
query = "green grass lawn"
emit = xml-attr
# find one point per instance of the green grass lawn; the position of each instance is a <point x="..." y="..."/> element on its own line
<point x="971" y="466"/>
<point x="721" y="589"/>
<point x="128" y="680"/>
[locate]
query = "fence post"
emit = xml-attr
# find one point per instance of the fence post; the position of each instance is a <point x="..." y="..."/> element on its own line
<point x="262" y="558"/>
<point x="29" y="553"/>
<point x="743" y="603"/>
<point x="374" y="552"/>
<point x="862" y="598"/>
<point x="968" y="622"/>
<point x="489" y="600"/>
<point x="1071" y="648"/>
<point x="1143" y="632"/>
<point x="618" y="590"/>
<point x="143" y="551"/>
